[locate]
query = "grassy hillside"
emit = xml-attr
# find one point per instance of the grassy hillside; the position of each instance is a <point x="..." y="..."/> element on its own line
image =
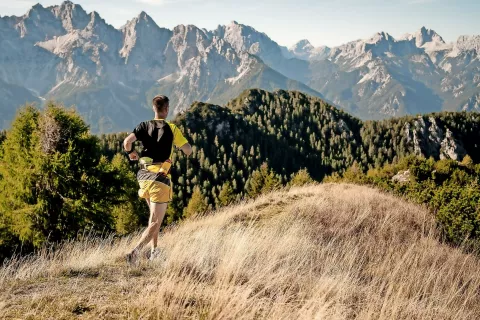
<point x="331" y="251"/>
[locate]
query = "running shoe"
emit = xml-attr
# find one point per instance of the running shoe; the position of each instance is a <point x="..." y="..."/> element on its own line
<point x="132" y="257"/>
<point x="154" y="254"/>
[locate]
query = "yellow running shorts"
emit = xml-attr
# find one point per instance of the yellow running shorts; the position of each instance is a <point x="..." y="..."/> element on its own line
<point x="153" y="186"/>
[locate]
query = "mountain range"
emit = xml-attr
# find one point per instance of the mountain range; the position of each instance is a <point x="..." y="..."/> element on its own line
<point x="64" y="53"/>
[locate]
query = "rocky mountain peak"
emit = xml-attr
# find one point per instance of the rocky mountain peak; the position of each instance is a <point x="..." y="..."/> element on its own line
<point x="95" y="18"/>
<point x="98" y="24"/>
<point x="188" y="41"/>
<point x="245" y="38"/>
<point x="302" y="49"/>
<point x="72" y="16"/>
<point x="190" y="31"/>
<point x="468" y="43"/>
<point x="380" y="37"/>
<point x="144" y="17"/>
<point x="68" y="3"/>
<point x="425" y="35"/>
<point x="36" y="7"/>
<point x="37" y="12"/>
<point x="143" y="20"/>
<point x="38" y="24"/>
<point x="301" y="46"/>
<point x="144" y="34"/>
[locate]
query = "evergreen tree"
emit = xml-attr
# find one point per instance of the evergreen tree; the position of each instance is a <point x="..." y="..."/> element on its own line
<point x="196" y="205"/>
<point x="3" y="135"/>
<point x="302" y="177"/>
<point x="226" y="195"/>
<point x="255" y="184"/>
<point x="55" y="182"/>
<point x="271" y="181"/>
<point x="263" y="180"/>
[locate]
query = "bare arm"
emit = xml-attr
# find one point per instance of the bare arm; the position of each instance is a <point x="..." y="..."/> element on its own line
<point x="187" y="149"/>
<point x="128" y="145"/>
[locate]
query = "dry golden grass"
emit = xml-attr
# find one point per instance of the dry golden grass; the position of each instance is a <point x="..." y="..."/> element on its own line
<point x="330" y="251"/>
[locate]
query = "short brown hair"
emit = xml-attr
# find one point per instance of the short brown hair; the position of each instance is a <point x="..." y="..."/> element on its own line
<point x="160" y="103"/>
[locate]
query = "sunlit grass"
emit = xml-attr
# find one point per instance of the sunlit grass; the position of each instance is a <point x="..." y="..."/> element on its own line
<point x="318" y="252"/>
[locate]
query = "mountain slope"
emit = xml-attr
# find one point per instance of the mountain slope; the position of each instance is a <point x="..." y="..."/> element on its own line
<point x="66" y="54"/>
<point x="382" y="76"/>
<point x="13" y="95"/>
<point x="288" y="131"/>
<point x="312" y="252"/>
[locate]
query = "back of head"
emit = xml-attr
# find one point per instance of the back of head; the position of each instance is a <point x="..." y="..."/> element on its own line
<point x="160" y="103"/>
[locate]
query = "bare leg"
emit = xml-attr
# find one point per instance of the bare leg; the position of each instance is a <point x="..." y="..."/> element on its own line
<point x="150" y="209"/>
<point x="157" y="227"/>
<point x="157" y="212"/>
<point x="153" y="208"/>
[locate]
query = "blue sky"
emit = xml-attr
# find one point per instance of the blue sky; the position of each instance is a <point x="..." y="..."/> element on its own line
<point x="322" y="22"/>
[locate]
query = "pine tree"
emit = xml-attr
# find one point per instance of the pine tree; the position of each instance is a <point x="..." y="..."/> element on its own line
<point x="226" y="195"/>
<point x="255" y="184"/>
<point x="272" y="182"/>
<point x="263" y="180"/>
<point x="55" y="183"/>
<point x="196" y="205"/>
<point x="3" y="135"/>
<point x="302" y="177"/>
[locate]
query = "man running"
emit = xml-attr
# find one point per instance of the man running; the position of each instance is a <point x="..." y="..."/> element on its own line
<point x="158" y="137"/>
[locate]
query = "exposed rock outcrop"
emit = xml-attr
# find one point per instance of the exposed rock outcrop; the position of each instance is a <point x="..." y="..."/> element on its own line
<point x="431" y="139"/>
<point x="402" y="177"/>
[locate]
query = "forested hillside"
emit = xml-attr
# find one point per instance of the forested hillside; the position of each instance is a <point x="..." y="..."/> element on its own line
<point x="255" y="143"/>
<point x="258" y="142"/>
<point x="287" y="131"/>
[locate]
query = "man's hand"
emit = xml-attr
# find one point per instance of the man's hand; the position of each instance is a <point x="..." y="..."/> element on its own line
<point x="133" y="156"/>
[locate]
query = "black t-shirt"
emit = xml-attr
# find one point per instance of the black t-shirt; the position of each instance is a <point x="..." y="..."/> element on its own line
<point x="157" y="139"/>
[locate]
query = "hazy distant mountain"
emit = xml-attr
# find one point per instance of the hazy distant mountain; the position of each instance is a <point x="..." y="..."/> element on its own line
<point x="382" y="76"/>
<point x="306" y="51"/>
<point x="67" y="54"/>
